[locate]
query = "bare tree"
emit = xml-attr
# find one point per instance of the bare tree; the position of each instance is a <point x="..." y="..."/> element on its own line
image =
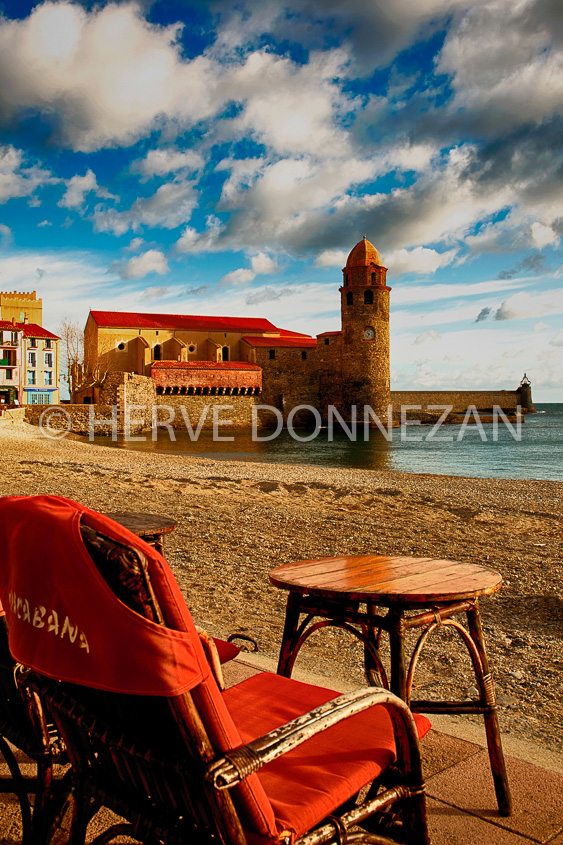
<point x="81" y="368"/>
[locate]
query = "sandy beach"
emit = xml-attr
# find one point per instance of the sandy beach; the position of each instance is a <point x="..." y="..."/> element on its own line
<point x="236" y="521"/>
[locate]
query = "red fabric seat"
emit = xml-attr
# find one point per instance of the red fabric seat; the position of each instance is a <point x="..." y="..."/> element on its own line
<point x="66" y="622"/>
<point x="306" y="784"/>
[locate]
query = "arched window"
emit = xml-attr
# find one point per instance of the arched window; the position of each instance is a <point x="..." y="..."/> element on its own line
<point x="225" y="353"/>
<point x="346" y="279"/>
<point x="373" y="278"/>
<point x="368" y="297"/>
<point x="156" y="352"/>
<point x="349" y="298"/>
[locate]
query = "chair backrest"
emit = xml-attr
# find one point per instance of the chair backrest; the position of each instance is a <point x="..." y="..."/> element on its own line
<point x="93" y="607"/>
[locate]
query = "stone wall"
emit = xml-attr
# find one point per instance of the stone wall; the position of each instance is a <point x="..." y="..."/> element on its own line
<point x="230" y="412"/>
<point x="74" y="418"/>
<point x="483" y="400"/>
<point x="288" y="379"/>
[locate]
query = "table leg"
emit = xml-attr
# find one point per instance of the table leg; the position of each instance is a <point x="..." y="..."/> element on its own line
<point x="289" y="637"/>
<point x="492" y="729"/>
<point x="397" y="628"/>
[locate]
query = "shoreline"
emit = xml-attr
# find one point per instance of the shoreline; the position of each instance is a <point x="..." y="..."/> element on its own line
<point x="239" y="519"/>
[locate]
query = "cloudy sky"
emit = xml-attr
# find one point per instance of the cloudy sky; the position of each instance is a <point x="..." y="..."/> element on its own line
<point x="223" y="157"/>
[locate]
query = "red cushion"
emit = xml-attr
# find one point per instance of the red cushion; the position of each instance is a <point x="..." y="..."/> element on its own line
<point x="226" y="651"/>
<point x="309" y="783"/>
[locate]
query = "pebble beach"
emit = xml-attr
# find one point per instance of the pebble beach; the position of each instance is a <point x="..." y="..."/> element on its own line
<point x="237" y="520"/>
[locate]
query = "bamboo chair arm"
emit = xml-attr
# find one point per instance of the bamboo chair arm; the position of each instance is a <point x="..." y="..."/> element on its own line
<point x="239" y="763"/>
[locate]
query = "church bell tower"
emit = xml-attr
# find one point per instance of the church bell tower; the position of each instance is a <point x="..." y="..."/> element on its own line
<point x="365" y="330"/>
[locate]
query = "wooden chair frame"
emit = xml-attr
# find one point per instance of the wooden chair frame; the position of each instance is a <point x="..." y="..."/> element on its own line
<point x="23" y="725"/>
<point x="173" y="787"/>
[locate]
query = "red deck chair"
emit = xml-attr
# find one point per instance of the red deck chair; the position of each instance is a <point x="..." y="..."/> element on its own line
<point x="112" y="650"/>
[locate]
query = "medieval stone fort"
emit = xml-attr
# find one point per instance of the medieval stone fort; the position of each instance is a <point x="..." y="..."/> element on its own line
<point x="191" y="361"/>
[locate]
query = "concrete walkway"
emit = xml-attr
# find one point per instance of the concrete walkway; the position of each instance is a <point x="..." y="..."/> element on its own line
<point x="461" y="801"/>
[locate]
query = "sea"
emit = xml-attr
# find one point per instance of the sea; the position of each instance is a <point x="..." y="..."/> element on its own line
<point x="533" y="450"/>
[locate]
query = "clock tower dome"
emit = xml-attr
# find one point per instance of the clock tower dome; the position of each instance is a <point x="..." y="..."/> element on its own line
<point x="365" y="330"/>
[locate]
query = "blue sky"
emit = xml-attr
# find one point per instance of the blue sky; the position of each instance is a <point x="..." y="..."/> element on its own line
<point x="224" y="157"/>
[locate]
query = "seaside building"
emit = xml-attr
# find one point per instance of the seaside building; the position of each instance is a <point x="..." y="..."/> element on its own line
<point x="29" y="354"/>
<point x="192" y="355"/>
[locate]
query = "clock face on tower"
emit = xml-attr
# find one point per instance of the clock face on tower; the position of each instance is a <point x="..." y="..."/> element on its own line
<point x="369" y="333"/>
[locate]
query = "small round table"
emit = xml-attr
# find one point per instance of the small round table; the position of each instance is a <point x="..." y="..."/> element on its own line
<point x="149" y="526"/>
<point x="346" y="592"/>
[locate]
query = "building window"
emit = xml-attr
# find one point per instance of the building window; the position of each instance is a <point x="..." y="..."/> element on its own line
<point x="48" y="343"/>
<point x="9" y="375"/>
<point x="272" y="354"/>
<point x="32" y="359"/>
<point x="192" y="347"/>
<point x="368" y="297"/>
<point x="349" y="299"/>
<point x="31" y="377"/>
<point x="156" y="352"/>
<point x="48" y="359"/>
<point x="326" y="341"/>
<point x="304" y="355"/>
<point x="14" y="339"/>
<point x="225" y="353"/>
<point x="121" y="346"/>
<point x="373" y="277"/>
<point x="48" y="377"/>
<point x="346" y="279"/>
<point x="39" y="399"/>
<point x="32" y="343"/>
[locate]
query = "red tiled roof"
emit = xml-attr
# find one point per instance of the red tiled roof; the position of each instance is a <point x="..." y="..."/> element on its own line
<point x="194" y="322"/>
<point x="328" y="334"/>
<point x="204" y="365"/>
<point x="28" y="329"/>
<point x="297" y="342"/>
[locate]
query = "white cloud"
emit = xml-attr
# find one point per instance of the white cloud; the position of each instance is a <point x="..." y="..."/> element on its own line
<point x="163" y="161"/>
<point x="331" y="258"/>
<point x="206" y="241"/>
<point x="155" y="293"/>
<point x="44" y="223"/>
<point x="291" y="108"/>
<point x="134" y="245"/>
<point x="6" y="236"/>
<point x="543" y="235"/>
<point x="558" y="339"/>
<point x="260" y="264"/>
<point x="541" y="327"/>
<point x="152" y="261"/>
<point x="420" y="260"/>
<point x="78" y="187"/>
<point x="427" y="337"/>
<point x="526" y="305"/>
<point x="263" y="264"/>
<point x="503" y="61"/>
<point x="171" y="205"/>
<point x="17" y="180"/>
<point x="109" y="74"/>
<point x="241" y="276"/>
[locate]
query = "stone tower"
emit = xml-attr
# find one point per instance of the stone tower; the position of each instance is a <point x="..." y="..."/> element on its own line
<point x="365" y="330"/>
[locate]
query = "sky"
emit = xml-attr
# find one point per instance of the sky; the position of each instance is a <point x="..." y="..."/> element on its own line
<point x="223" y="158"/>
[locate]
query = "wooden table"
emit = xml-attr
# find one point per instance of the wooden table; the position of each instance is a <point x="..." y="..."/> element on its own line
<point x="150" y="526"/>
<point x="347" y="592"/>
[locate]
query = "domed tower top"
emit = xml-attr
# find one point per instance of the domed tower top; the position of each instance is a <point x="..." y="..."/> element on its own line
<point x="364" y="267"/>
<point x="364" y="253"/>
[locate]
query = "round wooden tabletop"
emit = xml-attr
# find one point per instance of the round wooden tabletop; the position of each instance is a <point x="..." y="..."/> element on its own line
<point x="144" y="524"/>
<point x="387" y="580"/>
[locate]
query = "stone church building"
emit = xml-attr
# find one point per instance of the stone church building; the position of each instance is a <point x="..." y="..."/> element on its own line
<point x="191" y="355"/>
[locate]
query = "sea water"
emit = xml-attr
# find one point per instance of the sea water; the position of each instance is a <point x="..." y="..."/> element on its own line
<point x="482" y="451"/>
